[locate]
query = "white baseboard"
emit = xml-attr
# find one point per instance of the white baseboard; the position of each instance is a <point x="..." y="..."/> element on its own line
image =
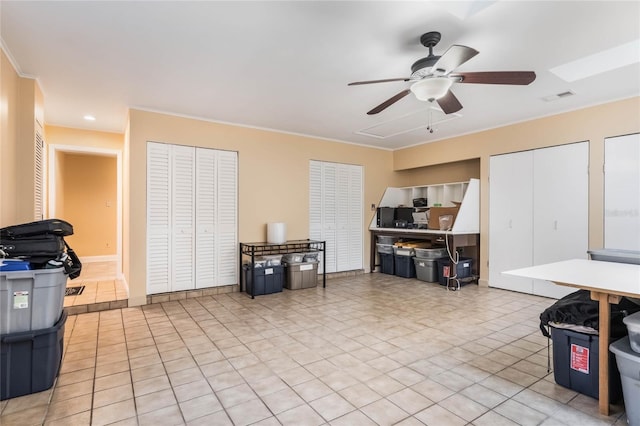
<point x="105" y="258"/>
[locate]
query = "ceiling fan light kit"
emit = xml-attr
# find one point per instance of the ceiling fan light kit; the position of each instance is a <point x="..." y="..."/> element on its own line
<point x="430" y="89"/>
<point x="433" y="79"/>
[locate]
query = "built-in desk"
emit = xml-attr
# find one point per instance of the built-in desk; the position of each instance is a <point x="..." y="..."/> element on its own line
<point x="454" y="239"/>
<point x="607" y="282"/>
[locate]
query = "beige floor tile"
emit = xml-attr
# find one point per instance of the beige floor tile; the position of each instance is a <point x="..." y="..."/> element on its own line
<point x="155" y="401"/>
<point x="491" y="418"/>
<point x="332" y="406"/>
<point x="154" y="384"/>
<point x="112" y="381"/>
<point x="165" y="416"/>
<point x="436" y="415"/>
<point x="302" y="415"/>
<point x="248" y="412"/>
<point x="520" y="413"/>
<point x="113" y="413"/>
<point x="69" y="407"/>
<point x="463" y="407"/>
<point x="199" y="407"/>
<point x="282" y="400"/>
<point x="192" y="390"/>
<point x="83" y="418"/>
<point x="219" y="418"/>
<point x="236" y="395"/>
<point x="360" y="395"/>
<point x="384" y="412"/>
<point x="410" y="400"/>
<point x="312" y="389"/>
<point x="353" y="418"/>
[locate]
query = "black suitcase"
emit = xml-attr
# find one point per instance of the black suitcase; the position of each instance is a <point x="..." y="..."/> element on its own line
<point x="47" y="226"/>
<point x="36" y="249"/>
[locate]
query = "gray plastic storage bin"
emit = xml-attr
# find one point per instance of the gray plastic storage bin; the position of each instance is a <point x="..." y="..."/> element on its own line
<point x="431" y="253"/>
<point x="426" y="269"/>
<point x="629" y="366"/>
<point x="31" y="300"/>
<point x="633" y="327"/>
<point x="616" y="255"/>
<point x="301" y="275"/>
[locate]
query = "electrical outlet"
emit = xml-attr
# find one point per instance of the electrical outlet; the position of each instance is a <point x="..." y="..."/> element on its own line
<point x="373" y="207"/>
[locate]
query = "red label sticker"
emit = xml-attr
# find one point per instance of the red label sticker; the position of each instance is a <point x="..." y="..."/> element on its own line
<point x="580" y="358"/>
<point x="445" y="271"/>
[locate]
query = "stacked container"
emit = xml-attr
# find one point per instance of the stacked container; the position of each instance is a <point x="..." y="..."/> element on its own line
<point x="302" y="270"/>
<point x="384" y="246"/>
<point x="627" y="352"/>
<point x="426" y="263"/>
<point x="31" y="329"/>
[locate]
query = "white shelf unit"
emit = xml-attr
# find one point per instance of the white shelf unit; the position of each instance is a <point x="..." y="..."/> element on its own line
<point x="444" y="194"/>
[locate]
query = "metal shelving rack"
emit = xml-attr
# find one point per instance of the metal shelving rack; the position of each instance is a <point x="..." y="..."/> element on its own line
<point x="254" y="250"/>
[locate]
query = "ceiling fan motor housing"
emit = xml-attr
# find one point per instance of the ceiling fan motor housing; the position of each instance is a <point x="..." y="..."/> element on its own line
<point x="422" y="67"/>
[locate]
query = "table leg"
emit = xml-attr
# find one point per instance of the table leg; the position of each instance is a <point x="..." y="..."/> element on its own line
<point x="603" y="361"/>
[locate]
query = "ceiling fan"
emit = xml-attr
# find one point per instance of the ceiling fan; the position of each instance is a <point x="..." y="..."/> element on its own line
<point x="433" y="76"/>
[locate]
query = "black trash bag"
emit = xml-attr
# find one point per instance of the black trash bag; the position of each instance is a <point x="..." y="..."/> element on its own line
<point x="578" y="309"/>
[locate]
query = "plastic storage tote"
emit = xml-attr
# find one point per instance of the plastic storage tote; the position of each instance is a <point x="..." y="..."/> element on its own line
<point x="31" y="300"/>
<point x="629" y="366"/>
<point x="404" y="266"/>
<point x="301" y="275"/>
<point x="431" y="253"/>
<point x="575" y="363"/>
<point x="268" y="279"/>
<point x="616" y="255"/>
<point x="30" y="360"/>
<point x="426" y="269"/>
<point x="387" y="263"/>
<point x="633" y="327"/>
<point x="463" y="269"/>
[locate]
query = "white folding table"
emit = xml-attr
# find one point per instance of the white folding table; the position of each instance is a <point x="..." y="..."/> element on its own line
<point x="607" y="282"/>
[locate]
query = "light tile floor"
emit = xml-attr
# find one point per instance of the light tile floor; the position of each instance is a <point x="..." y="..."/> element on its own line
<point x="370" y="349"/>
<point x="101" y="285"/>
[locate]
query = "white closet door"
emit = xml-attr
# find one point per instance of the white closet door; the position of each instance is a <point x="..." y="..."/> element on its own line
<point x="183" y="201"/>
<point x="329" y="214"/>
<point x="227" y="218"/>
<point x="205" y="234"/>
<point x="158" y="217"/>
<point x="561" y="210"/>
<point x="510" y="219"/>
<point x="355" y="218"/>
<point x="342" y="218"/>
<point x="622" y="192"/>
<point x="315" y="204"/>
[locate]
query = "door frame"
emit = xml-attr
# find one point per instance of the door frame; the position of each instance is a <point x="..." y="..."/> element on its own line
<point x="51" y="187"/>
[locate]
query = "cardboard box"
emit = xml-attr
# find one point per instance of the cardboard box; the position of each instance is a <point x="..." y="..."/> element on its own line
<point x="436" y="212"/>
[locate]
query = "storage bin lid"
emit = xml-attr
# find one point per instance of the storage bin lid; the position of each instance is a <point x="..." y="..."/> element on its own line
<point x="622" y="348"/>
<point x="633" y="321"/>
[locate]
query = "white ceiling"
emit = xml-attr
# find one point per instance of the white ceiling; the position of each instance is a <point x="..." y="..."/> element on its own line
<point x="286" y="65"/>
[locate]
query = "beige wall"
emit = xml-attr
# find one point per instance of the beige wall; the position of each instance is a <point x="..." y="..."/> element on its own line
<point x="9" y="84"/>
<point x="57" y="135"/>
<point x="273" y="178"/>
<point x="591" y="124"/>
<point x="90" y="203"/>
<point x="457" y="171"/>
<point x="21" y="113"/>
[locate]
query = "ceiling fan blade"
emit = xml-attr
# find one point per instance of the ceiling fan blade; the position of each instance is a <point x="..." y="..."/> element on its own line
<point x="449" y="103"/>
<point x="355" y="83"/>
<point x="389" y="102"/>
<point x="455" y="56"/>
<point x="496" y="77"/>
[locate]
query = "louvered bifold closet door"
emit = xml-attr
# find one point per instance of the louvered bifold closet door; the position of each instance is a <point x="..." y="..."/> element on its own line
<point x="342" y="218"/>
<point x="329" y="214"/>
<point x="206" y="171"/>
<point x="158" y="217"/>
<point x="227" y="218"/>
<point x="355" y="218"/>
<point x="183" y="200"/>
<point x="315" y="205"/>
<point x="38" y="190"/>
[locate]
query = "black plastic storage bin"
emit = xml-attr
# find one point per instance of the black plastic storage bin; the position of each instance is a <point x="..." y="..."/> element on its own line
<point x="30" y="360"/>
<point x="463" y="269"/>
<point x="405" y="267"/>
<point x="387" y="263"/>
<point x="268" y="279"/>
<point x="575" y="363"/>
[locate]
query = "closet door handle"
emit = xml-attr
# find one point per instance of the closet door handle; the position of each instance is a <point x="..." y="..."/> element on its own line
<point x="555" y="225"/>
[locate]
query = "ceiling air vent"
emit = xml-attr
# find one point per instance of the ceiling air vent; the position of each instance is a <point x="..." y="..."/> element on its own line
<point x="557" y="96"/>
